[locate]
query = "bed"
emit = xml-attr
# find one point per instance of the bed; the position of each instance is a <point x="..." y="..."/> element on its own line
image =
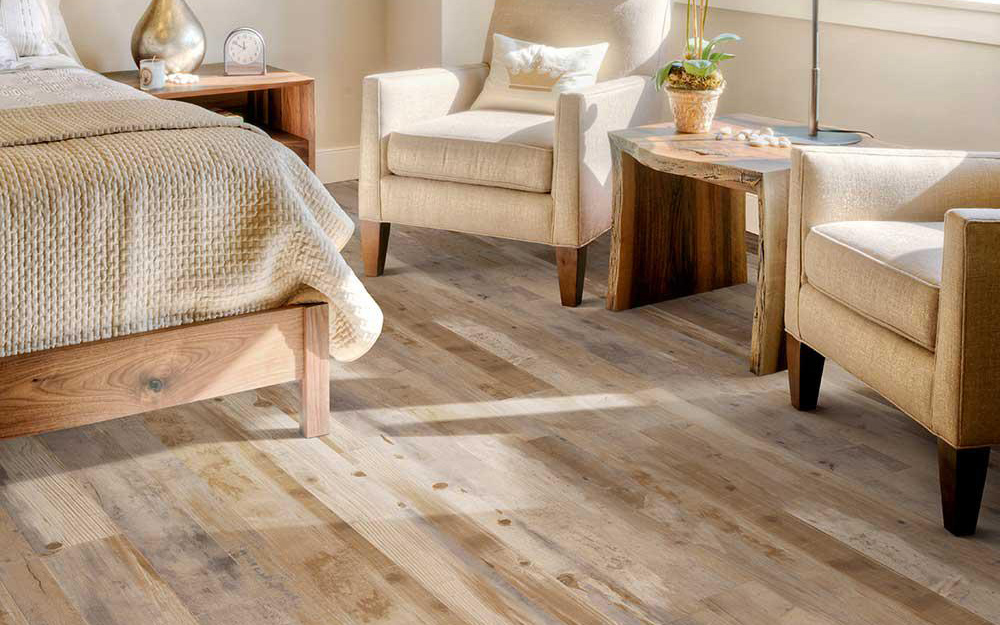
<point x="153" y="253"/>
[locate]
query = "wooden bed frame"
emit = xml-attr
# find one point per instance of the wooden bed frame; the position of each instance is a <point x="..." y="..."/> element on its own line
<point x="82" y="384"/>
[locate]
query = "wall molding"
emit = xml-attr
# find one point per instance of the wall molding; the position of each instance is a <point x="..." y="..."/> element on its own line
<point x="961" y="20"/>
<point x="338" y="164"/>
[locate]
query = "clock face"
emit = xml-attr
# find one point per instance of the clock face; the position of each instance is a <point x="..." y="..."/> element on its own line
<point x="245" y="48"/>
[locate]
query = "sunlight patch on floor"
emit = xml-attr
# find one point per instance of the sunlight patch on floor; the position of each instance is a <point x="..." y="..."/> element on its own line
<point x="527" y="406"/>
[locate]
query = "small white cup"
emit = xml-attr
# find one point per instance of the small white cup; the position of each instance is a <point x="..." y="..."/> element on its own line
<point x="152" y="74"/>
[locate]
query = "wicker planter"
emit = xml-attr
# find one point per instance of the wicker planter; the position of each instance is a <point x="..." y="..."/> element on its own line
<point x="694" y="111"/>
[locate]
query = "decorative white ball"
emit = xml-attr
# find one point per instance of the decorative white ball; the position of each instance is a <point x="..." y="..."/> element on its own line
<point x="726" y="130"/>
<point x="742" y="136"/>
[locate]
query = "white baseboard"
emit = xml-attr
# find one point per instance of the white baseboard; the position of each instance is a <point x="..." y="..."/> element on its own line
<point x="338" y="164"/>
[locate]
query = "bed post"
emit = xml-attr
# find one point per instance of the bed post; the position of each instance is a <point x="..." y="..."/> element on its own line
<point x="316" y="372"/>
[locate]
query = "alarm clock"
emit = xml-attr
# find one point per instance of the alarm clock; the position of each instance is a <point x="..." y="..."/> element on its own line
<point x="245" y="53"/>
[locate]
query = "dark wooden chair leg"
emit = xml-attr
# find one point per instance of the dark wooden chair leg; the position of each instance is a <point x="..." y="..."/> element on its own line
<point x="374" y="245"/>
<point x="805" y="373"/>
<point x="963" y="478"/>
<point x="572" y="264"/>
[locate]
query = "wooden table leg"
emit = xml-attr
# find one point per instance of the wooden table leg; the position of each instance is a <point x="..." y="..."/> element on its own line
<point x="767" y="348"/>
<point x="673" y="236"/>
<point x="293" y="110"/>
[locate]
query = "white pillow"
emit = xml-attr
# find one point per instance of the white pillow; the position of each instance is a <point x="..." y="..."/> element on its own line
<point x="28" y="25"/>
<point x="8" y="55"/>
<point x="57" y="32"/>
<point x="529" y="77"/>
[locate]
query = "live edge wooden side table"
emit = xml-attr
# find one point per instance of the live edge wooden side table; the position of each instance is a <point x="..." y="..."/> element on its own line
<point x="679" y="222"/>
<point x="281" y="103"/>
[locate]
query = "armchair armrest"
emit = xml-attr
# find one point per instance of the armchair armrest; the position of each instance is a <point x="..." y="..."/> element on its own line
<point x="967" y="376"/>
<point x="831" y="184"/>
<point x="393" y="100"/>
<point x="582" y="184"/>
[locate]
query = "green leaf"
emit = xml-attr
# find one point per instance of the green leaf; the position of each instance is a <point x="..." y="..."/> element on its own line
<point x="723" y="38"/>
<point x="717" y="57"/>
<point x="664" y="73"/>
<point x="692" y="45"/>
<point x="699" y="67"/>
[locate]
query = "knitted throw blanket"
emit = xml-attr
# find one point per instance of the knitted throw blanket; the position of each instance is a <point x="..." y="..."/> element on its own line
<point x="125" y="216"/>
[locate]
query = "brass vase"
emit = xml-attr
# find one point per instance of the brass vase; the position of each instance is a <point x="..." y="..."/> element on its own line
<point x="170" y="31"/>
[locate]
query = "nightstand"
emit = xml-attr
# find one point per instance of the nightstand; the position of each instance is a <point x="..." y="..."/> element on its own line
<point x="281" y="103"/>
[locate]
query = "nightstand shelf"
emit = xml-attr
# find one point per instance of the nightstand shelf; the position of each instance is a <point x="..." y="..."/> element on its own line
<point x="281" y="103"/>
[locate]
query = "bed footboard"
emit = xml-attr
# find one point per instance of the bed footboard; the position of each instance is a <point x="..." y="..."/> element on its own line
<point x="83" y="384"/>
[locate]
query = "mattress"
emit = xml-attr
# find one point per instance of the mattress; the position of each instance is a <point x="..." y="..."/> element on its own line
<point x="122" y="213"/>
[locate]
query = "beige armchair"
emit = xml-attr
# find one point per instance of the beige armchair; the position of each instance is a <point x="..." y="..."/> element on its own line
<point x="894" y="273"/>
<point x="427" y="160"/>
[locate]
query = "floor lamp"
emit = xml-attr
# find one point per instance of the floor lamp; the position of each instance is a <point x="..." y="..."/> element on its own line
<point x="811" y="134"/>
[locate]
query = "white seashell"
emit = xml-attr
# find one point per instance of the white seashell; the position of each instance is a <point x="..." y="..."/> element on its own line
<point x="726" y="130"/>
<point x="759" y="143"/>
<point x="742" y="136"/>
<point x="785" y="142"/>
<point x="183" y="79"/>
<point x="767" y="131"/>
<point x="773" y="140"/>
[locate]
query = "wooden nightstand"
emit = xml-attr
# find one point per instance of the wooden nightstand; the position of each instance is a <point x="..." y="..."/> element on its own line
<point x="679" y="225"/>
<point x="280" y="102"/>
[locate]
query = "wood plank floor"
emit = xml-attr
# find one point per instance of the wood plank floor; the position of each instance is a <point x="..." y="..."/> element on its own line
<point x="500" y="459"/>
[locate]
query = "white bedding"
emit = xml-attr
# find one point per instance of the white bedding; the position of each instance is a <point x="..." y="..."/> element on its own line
<point x="122" y="213"/>
<point x="58" y="79"/>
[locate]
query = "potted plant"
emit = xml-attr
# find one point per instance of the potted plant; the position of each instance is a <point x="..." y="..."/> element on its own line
<point x="695" y="83"/>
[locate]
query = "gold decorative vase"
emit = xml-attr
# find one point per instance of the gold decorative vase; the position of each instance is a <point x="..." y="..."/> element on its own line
<point x="694" y="111"/>
<point x="170" y="31"/>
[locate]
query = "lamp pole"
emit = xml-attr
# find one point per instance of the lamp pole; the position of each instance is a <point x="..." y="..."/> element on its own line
<point x="814" y="97"/>
<point x="811" y="134"/>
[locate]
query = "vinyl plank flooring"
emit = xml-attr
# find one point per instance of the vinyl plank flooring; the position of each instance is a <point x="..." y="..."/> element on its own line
<point x="498" y="458"/>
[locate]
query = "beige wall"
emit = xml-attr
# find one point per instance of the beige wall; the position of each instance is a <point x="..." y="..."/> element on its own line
<point x="464" y="27"/>
<point x="904" y="88"/>
<point x="898" y="86"/>
<point x="413" y="34"/>
<point x="336" y="41"/>
<point x="430" y="33"/>
<point x="901" y="87"/>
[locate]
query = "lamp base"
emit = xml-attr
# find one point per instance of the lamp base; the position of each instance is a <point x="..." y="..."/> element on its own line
<point x="800" y="136"/>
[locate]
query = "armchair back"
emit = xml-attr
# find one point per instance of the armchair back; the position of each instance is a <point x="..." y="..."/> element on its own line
<point x="635" y="29"/>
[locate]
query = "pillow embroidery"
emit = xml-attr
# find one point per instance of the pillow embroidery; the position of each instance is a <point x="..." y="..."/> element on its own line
<point x="529" y="77"/>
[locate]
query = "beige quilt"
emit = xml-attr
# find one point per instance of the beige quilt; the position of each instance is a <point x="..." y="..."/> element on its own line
<point x="129" y="215"/>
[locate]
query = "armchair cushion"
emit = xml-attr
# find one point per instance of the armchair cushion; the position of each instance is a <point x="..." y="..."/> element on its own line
<point x="503" y="149"/>
<point x="887" y="271"/>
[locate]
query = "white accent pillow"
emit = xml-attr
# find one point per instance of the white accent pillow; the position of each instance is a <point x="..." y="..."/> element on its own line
<point x="28" y="25"/>
<point x="529" y="77"/>
<point x="8" y="55"/>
